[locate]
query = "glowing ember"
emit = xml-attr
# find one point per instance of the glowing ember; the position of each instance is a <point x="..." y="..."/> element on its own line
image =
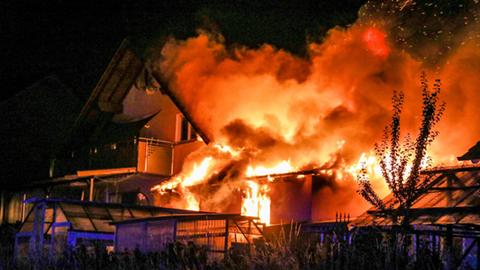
<point x="256" y="202"/>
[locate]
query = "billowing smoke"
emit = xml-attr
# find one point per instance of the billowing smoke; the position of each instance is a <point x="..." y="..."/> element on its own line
<point x="330" y="107"/>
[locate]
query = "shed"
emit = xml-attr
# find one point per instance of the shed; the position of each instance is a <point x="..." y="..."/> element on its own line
<point x="217" y="232"/>
<point x="55" y="224"/>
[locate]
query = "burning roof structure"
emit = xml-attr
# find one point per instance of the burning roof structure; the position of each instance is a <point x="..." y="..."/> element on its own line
<point x="472" y="153"/>
<point x="283" y="135"/>
<point x="268" y="111"/>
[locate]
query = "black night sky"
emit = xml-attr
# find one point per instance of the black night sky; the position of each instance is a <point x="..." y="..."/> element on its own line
<point x="71" y="37"/>
<point x="74" y="41"/>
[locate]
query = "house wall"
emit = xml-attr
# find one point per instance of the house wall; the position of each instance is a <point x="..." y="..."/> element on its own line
<point x="154" y="158"/>
<point x="167" y="156"/>
<point x="181" y="151"/>
<point x="163" y="125"/>
<point x="291" y="200"/>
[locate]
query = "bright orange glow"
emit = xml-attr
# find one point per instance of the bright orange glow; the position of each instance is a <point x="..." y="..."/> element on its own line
<point x="199" y="173"/>
<point x="268" y="111"/>
<point x="376" y="41"/>
<point x="371" y="164"/>
<point x="282" y="167"/>
<point x="227" y="149"/>
<point x="256" y="202"/>
<point x="195" y="176"/>
<point x="192" y="202"/>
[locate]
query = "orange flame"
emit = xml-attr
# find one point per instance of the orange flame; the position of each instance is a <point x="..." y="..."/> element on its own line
<point x="296" y="110"/>
<point x="283" y="167"/>
<point x="256" y="202"/>
<point x="195" y="176"/>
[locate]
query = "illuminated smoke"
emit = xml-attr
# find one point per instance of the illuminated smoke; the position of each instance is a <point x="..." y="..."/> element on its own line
<point x="266" y="106"/>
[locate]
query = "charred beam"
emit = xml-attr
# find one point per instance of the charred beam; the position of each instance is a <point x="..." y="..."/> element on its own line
<point x="434" y="211"/>
<point x="452" y="169"/>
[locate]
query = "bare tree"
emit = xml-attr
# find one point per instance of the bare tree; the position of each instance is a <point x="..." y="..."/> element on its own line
<point x="401" y="160"/>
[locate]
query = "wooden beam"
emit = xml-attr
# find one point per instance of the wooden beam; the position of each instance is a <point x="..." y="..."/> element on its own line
<point x="435" y="189"/>
<point x="91" y="189"/>
<point x="452" y="169"/>
<point x="435" y="211"/>
<point x="103" y="172"/>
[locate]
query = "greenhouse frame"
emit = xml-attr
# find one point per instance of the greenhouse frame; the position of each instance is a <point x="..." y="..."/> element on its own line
<point x="217" y="232"/>
<point x="52" y="225"/>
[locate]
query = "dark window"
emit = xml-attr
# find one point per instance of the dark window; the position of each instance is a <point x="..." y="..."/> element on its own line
<point x="184" y="130"/>
<point x="193" y="133"/>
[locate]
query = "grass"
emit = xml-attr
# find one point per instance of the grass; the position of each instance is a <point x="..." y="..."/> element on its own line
<point x="288" y="249"/>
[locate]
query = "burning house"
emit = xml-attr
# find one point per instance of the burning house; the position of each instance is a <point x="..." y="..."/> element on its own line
<point x="232" y="135"/>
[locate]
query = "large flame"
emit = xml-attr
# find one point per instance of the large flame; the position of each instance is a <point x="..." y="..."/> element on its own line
<point x="283" y="167"/>
<point x="269" y="111"/>
<point x="195" y="176"/>
<point x="256" y="202"/>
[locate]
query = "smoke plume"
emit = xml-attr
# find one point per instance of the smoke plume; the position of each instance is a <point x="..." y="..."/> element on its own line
<point x="330" y="107"/>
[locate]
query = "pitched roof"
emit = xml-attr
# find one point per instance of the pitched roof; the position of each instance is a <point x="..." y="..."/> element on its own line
<point x="108" y="95"/>
<point x="94" y="216"/>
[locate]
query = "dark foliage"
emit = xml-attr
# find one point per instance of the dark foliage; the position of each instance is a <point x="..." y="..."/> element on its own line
<point x="401" y="160"/>
<point x="289" y="249"/>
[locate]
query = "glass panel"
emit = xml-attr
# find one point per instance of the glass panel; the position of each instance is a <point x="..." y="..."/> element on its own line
<point x="81" y="224"/>
<point x="59" y="215"/>
<point x="103" y="225"/>
<point x="428" y="200"/>
<point x="470" y="219"/>
<point x="472" y="200"/>
<point x="28" y="224"/>
<point x="77" y="216"/>
<point x="119" y="214"/>
<point x="141" y="213"/>
<point x="446" y="219"/>
<point x="97" y="212"/>
<point x="73" y="210"/>
<point x="49" y="215"/>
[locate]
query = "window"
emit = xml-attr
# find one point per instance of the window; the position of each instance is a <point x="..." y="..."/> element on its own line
<point x="184" y="130"/>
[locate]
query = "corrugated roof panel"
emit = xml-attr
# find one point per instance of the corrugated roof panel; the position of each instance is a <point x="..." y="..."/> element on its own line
<point x="455" y="193"/>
